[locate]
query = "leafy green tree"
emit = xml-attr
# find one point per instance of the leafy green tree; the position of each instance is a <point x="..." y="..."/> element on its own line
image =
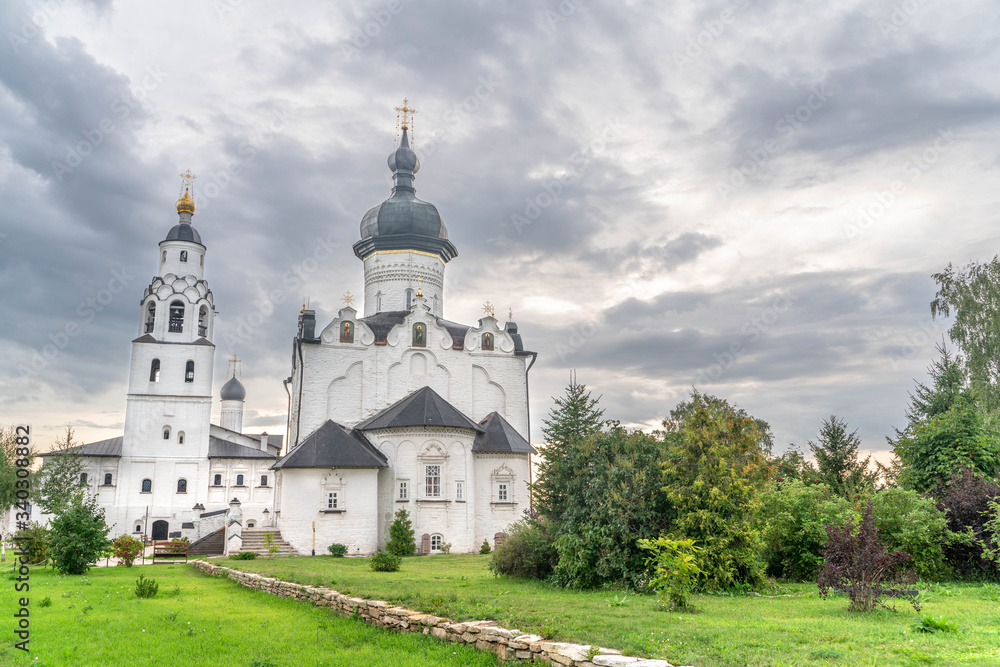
<point x="675" y="569"/>
<point x="401" y="535"/>
<point x="765" y="440"/>
<point x="561" y="471"/>
<point x="619" y="501"/>
<point x="57" y="485"/>
<point x="911" y="522"/>
<point x="792" y="466"/>
<point x="792" y="518"/>
<point x="714" y="471"/>
<point x="837" y="459"/>
<point x="78" y="535"/>
<point x="949" y="384"/>
<point x="933" y="450"/>
<point x="972" y="295"/>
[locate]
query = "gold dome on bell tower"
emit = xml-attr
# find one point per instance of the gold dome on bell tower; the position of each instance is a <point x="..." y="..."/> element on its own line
<point x="186" y="204"/>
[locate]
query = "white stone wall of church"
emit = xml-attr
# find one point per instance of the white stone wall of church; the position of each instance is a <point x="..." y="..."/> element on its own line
<point x="349" y="382"/>
<point x="389" y="274"/>
<point x="170" y="259"/>
<point x="491" y="515"/>
<point x="302" y="494"/>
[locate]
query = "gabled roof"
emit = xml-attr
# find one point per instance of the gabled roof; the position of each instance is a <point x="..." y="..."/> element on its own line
<point x="111" y="447"/>
<point x="225" y="449"/>
<point x="499" y="436"/>
<point x="423" y="407"/>
<point x="382" y="323"/>
<point x="333" y="446"/>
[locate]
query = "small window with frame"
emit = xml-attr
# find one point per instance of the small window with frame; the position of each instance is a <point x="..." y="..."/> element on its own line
<point x="332" y="501"/>
<point x="403" y="489"/>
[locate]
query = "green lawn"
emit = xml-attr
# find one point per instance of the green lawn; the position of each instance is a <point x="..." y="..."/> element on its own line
<point x="195" y="619"/>
<point x="798" y="628"/>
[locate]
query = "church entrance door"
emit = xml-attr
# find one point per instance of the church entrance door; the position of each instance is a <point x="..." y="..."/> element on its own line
<point x="160" y="529"/>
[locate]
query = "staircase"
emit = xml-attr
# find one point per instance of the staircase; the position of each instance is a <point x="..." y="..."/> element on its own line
<point x="253" y="540"/>
<point x="212" y="544"/>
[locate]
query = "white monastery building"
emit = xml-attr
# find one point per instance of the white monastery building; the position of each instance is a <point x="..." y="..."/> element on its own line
<point x="398" y="408"/>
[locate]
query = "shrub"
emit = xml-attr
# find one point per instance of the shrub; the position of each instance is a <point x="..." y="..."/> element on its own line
<point x="485" y="549"/>
<point x="855" y="562"/>
<point x="383" y="561"/>
<point x="793" y="517"/>
<point x="34" y="542"/>
<point x="939" y="624"/>
<point x="337" y="550"/>
<point x="909" y="522"/>
<point x="243" y="555"/>
<point x="78" y="536"/>
<point x="45" y="602"/>
<point x="965" y="502"/>
<point x="126" y="549"/>
<point x="270" y="545"/>
<point x="146" y="588"/>
<point x="527" y="551"/>
<point x="401" y="535"/>
<point x="674" y="569"/>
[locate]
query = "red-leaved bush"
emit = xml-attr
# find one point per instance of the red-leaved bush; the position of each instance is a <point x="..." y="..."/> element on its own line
<point x="856" y="563"/>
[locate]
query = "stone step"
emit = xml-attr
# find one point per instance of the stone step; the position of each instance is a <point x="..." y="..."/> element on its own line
<point x="253" y="540"/>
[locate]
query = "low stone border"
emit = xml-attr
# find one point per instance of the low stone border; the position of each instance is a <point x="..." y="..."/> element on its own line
<point x="484" y="635"/>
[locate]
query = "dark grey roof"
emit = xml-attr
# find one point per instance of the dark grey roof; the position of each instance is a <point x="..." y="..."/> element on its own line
<point x="511" y="328"/>
<point x="233" y="390"/>
<point x="145" y="338"/>
<point x="112" y="447"/>
<point x="382" y="323"/>
<point x="499" y="436"/>
<point x="423" y="407"/>
<point x="457" y="332"/>
<point x="333" y="446"/>
<point x="225" y="449"/>
<point x="183" y="231"/>
<point x="403" y="222"/>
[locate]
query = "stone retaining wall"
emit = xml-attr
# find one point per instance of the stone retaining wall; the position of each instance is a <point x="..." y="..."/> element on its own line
<point x="484" y="635"/>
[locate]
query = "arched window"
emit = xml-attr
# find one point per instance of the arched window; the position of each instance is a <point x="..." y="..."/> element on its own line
<point x="150" y="316"/>
<point x="203" y="321"/>
<point x="378" y="302"/>
<point x="347" y="332"/>
<point x="83" y="479"/>
<point x="189" y="371"/>
<point x="239" y="480"/>
<point x="166" y="432"/>
<point x="180" y="437"/>
<point x="138" y="527"/>
<point x="184" y="255"/>
<point x="409" y="298"/>
<point x="107" y="479"/>
<point x="419" y="335"/>
<point x="182" y="486"/>
<point x="164" y="255"/>
<point x="154" y="371"/>
<point x="147" y="486"/>
<point x="177" y="317"/>
<point x="202" y="259"/>
<point x="217" y="480"/>
<point x="487" y="342"/>
<point x="436" y="541"/>
<point x="263" y="480"/>
<point x="251" y="524"/>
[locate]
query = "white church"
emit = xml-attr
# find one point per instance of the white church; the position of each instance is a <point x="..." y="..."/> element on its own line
<point x="398" y="408"/>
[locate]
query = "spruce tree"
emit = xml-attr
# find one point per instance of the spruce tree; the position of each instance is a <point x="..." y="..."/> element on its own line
<point x="563" y="467"/>
<point x="57" y="484"/>
<point x="837" y="459"/>
<point x="401" y="535"/>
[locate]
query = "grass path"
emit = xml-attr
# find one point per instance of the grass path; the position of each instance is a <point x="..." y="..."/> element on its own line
<point x="802" y="629"/>
<point x="96" y="620"/>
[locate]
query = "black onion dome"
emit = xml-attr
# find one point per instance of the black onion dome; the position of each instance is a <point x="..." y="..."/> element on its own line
<point x="403" y="222"/>
<point x="183" y="232"/>
<point x="233" y="390"/>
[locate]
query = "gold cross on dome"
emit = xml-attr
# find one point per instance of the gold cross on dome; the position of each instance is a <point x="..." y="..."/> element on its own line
<point x="407" y="113"/>
<point x="235" y="360"/>
<point x="510" y="314"/>
<point x="187" y="180"/>
<point x="488" y="308"/>
<point x="348" y="298"/>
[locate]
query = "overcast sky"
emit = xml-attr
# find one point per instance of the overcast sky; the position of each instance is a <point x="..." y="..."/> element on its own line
<point x="750" y="197"/>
